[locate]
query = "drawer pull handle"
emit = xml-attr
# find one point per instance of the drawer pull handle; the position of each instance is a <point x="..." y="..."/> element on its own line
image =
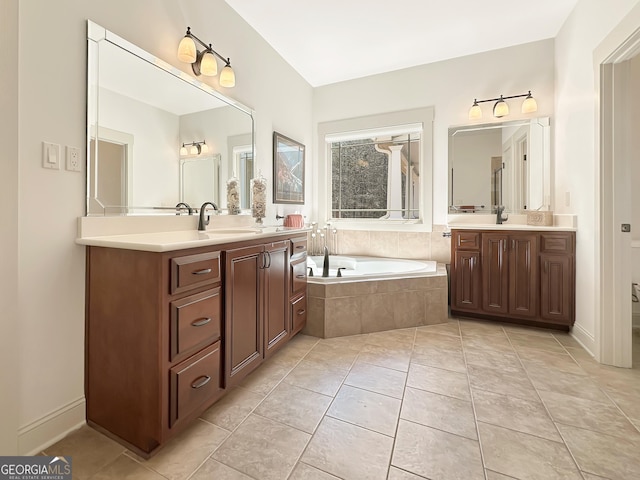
<point x="299" y="247"/>
<point x="204" y="271"/>
<point x="201" y="322"/>
<point x="201" y="381"/>
<point x="300" y="276"/>
<point x="301" y="312"/>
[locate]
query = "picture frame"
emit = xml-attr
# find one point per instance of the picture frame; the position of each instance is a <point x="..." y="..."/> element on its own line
<point x="288" y="170"/>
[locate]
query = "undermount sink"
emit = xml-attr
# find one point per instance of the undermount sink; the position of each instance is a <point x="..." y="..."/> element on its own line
<point x="232" y="231"/>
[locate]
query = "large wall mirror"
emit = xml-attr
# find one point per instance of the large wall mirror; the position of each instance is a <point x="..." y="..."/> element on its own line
<point x="140" y="111"/>
<point x="500" y="164"/>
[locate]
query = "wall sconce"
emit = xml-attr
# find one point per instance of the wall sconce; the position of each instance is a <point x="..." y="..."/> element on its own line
<point x="501" y="109"/>
<point x="204" y="62"/>
<point x="196" y="148"/>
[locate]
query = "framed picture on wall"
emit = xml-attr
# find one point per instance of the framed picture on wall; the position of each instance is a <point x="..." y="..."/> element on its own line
<point x="288" y="170"/>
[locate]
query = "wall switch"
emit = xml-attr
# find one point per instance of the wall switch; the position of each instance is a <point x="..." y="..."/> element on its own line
<point x="50" y="156"/>
<point x="73" y="159"/>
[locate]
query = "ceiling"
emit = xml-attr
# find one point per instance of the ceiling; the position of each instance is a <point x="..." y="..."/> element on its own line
<point x="330" y="41"/>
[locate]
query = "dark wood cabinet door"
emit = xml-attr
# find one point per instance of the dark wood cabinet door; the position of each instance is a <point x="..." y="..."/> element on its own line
<point x="243" y="314"/>
<point x="495" y="273"/>
<point x="276" y="297"/>
<point x="466" y="281"/>
<point x="523" y="275"/>
<point x="556" y="288"/>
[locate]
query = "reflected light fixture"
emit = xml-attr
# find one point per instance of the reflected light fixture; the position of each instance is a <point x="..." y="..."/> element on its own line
<point x="501" y="108"/>
<point x="204" y="62"/>
<point x="196" y="148"/>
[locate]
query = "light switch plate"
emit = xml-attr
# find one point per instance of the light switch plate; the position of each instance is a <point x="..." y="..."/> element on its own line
<point x="73" y="159"/>
<point x="50" y="156"/>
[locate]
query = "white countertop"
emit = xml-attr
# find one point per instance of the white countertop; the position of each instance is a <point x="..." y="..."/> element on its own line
<point x="509" y="226"/>
<point x="561" y="223"/>
<point x="183" y="239"/>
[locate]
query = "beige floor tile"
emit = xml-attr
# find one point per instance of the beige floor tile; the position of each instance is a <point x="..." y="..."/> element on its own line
<point x="304" y="342"/>
<point x="388" y="357"/>
<point x="515" y="413"/>
<point x="583" y="413"/>
<point x="433" y="454"/>
<point x="294" y="406"/>
<point x="390" y="338"/>
<point x="332" y="356"/>
<point x="183" y="454"/>
<point x="352" y="342"/>
<point x="212" y="469"/>
<point x="437" y="380"/>
<point x="124" y="468"/>
<point x="603" y="455"/>
<point x="566" y="340"/>
<point x="366" y="409"/>
<point x="439" y="357"/>
<point x="556" y="361"/>
<point x="524" y="456"/>
<point x="589" y="476"/>
<point x="548" y="344"/>
<point x="438" y="411"/>
<point x="517" y="329"/>
<point x="498" y="342"/>
<point x="288" y="357"/>
<point x="497" y="476"/>
<point x="307" y="472"/>
<point x="470" y="328"/>
<point x="316" y="378"/>
<point x="348" y="451"/>
<point x="428" y="339"/>
<point x="566" y="383"/>
<point x="397" y="474"/>
<point x="620" y="380"/>
<point x="265" y="377"/>
<point x="377" y="379"/>
<point x="262" y="448"/>
<point x="504" y="360"/>
<point x="231" y="410"/>
<point x="91" y="451"/>
<point x="452" y="327"/>
<point x="503" y="382"/>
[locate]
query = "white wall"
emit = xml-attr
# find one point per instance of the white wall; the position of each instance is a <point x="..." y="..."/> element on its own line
<point x="52" y="107"/>
<point x="450" y="87"/>
<point x="575" y="138"/>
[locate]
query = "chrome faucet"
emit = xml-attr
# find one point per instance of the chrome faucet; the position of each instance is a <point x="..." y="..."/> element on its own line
<point x="202" y="223"/>
<point x="325" y="265"/>
<point x="183" y="205"/>
<point x="499" y="217"/>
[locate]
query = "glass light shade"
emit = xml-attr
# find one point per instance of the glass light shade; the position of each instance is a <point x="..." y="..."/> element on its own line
<point x="227" y="77"/>
<point x="529" y="105"/>
<point x="475" y="112"/>
<point x="183" y="151"/>
<point x="208" y="65"/>
<point x="204" y="148"/>
<point x="194" y="150"/>
<point x="187" y="50"/>
<point x="500" y="109"/>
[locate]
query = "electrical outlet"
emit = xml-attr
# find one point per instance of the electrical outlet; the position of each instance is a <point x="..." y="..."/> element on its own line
<point x="73" y="159"/>
<point x="50" y="155"/>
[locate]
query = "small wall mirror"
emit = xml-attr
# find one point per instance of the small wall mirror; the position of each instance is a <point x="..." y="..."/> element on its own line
<point x="140" y="111"/>
<point x="500" y="164"/>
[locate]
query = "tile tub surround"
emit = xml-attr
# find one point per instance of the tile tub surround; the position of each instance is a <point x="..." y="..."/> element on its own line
<point x="365" y="306"/>
<point x="374" y="406"/>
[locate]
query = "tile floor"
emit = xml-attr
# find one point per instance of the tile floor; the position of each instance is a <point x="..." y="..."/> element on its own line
<point x="462" y="400"/>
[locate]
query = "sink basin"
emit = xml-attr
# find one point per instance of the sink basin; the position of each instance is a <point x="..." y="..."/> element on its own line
<point x="232" y="231"/>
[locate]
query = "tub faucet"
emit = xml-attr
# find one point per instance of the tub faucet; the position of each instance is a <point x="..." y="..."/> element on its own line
<point x="325" y="265"/>
<point x="183" y="205"/>
<point x="499" y="217"/>
<point x="202" y="223"/>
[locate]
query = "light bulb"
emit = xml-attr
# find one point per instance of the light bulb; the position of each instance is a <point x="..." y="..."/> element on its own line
<point x="475" y="112"/>
<point x="529" y="105"/>
<point x="227" y="77"/>
<point x="187" y="50"/>
<point x="208" y="64"/>
<point x="183" y="151"/>
<point x="500" y="109"/>
<point x="204" y="148"/>
<point x="194" y="150"/>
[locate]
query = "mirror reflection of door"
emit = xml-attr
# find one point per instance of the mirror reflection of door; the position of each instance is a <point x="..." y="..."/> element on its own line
<point x="496" y="181"/>
<point x="243" y="164"/>
<point x="111" y="185"/>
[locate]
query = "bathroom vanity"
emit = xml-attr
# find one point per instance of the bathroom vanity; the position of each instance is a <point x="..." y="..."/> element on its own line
<point x="518" y="275"/>
<point x="169" y="330"/>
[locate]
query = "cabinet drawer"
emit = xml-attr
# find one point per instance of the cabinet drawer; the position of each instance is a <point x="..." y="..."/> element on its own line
<point x="298" y="246"/>
<point x="193" y="382"/>
<point x="192" y="271"/>
<point x="298" y="314"/>
<point x="299" y="276"/>
<point x="557" y="242"/>
<point x="195" y="322"/>
<point x="464" y="240"/>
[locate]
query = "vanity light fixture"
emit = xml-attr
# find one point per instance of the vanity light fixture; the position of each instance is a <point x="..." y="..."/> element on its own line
<point x="501" y="108"/>
<point x="196" y="148"/>
<point x="204" y="62"/>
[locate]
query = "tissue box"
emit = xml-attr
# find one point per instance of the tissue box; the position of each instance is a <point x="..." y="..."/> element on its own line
<point x="540" y="218"/>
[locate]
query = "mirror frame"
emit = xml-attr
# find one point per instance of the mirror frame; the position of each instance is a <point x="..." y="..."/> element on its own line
<point x="544" y="122"/>
<point x="97" y="33"/>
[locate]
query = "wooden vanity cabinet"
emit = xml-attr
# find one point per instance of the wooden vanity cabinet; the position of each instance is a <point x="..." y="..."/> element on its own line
<point x="298" y="282"/>
<point x="527" y="277"/>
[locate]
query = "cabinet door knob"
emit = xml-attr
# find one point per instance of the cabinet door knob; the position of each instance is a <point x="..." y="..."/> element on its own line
<point x="201" y="381"/>
<point x="300" y="276"/>
<point x="301" y="312"/>
<point x="204" y="271"/>
<point x="201" y="322"/>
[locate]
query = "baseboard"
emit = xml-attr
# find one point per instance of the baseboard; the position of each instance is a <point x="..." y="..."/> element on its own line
<point x="584" y="338"/>
<point x="44" y="432"/>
